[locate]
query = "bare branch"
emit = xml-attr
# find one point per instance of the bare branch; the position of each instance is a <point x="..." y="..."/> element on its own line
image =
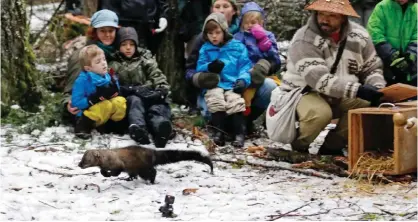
<point x="275" y="217"/>
<point x="308" y="173"/>
<point x="48" y="204"/>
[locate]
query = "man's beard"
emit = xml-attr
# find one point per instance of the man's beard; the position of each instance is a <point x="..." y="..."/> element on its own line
<point x="329" y="29"/>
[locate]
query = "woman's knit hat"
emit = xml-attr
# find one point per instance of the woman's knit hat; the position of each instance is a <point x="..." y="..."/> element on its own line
<point x="127" y="33"/>
<point x="104" y="18"/>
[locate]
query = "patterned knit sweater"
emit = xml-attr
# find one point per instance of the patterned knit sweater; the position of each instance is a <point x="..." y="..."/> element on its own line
<point x="311" y="57"/>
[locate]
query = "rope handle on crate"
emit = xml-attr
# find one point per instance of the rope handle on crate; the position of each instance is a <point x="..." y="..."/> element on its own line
<point x="393" y="106"/>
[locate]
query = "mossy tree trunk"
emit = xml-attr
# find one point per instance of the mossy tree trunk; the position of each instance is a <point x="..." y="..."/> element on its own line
<point x="89" y="7"/>
<point x="18" y="74"/>
<point x="170" y="56"/>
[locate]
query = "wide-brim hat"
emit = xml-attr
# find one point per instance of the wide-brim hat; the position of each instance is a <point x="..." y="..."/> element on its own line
<point x="335" y="6"/>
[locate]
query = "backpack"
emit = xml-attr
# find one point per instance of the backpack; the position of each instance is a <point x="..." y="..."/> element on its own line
<point x="281" y="115"/>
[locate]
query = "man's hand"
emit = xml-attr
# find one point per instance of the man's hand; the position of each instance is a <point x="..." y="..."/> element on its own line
<point x="369" y="93"/>
<point x="239" y="86"/>
<point x="216" y="66"/>
<point x="72" y="110"/>
<point x="162" y="24"/>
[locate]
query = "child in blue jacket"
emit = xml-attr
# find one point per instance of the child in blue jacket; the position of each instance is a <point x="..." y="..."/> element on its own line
<point x="228" y="58"/>
<point x="261" y="44"/>
<point x="96" y="93"/>
<point x="262" y="51"/>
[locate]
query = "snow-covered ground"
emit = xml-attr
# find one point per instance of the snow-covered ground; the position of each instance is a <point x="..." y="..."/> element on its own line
<point x="40" y="180"/>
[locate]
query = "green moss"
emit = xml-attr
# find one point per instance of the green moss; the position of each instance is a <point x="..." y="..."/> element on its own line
<point x="371" y="216"/>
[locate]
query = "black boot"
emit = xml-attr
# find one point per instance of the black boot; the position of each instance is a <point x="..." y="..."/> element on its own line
<point x="238" y="121"/>
<point x="255" y="113"/>
<point x="333" y="144"/>
<point x="162" y="133"/>
<point x="83" y="127"/>
<point x="218" y="120"/>
<point x="139" y="134"/>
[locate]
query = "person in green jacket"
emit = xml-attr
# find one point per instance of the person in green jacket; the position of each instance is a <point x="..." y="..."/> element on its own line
<point x="145" y="88"/>
<point x="393" y="28"/>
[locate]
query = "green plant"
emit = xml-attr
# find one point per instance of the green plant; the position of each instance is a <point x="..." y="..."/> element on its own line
<point x="371" y="216"/>
<point x="50" y="114"/>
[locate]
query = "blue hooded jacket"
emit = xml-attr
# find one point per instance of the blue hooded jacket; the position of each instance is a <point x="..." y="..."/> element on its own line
<point x="251" y="43"/>
<point x="84" y="86"/>
<point x="234" y="55"/>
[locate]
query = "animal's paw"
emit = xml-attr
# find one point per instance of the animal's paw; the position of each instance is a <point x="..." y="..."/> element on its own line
<point x="106" y="173"/>
<point x="131" y="178"/>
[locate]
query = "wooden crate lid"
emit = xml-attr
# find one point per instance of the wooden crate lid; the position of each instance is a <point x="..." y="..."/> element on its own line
<point x="408" y="104"/>
<point x="398" y="92"/>
<point x="382" y="110"/>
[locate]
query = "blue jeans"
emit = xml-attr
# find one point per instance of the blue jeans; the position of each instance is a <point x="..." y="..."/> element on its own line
<point x="261" y="98"/>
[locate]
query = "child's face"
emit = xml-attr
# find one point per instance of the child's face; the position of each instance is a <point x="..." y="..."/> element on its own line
<point x="127" y="48"/>
<point x="216" y="36"/>
<point x="249" y="22"/>
<point x="98" y="65"/>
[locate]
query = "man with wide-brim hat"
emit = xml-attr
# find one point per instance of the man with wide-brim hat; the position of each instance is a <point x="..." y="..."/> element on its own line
<point x="329" y="94"/>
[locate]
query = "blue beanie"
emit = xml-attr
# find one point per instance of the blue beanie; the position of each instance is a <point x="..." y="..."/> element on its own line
<point x="104" y="18"/>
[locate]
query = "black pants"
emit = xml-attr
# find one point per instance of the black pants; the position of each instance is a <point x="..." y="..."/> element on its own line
<point x="149" y="115"/>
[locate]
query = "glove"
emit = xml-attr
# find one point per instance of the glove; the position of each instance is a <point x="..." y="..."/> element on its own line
<point x="259" y="72"/>
<point x="162" y="24"/>
<point x="110" y="91"/>
<point x="126" y="91"/>
<point x="216" y="66"/>
<point x="400" y="64"/>
<point x="142" y="91"/>
<point x="205" y="80"/>
<point x="239" y="86"/>
<point x="369" y="93"/>
<point x="411" y="57"/>
<point x="95" y="97"/>
<point x="156" y="96"/>
<point x="263" y="42"/>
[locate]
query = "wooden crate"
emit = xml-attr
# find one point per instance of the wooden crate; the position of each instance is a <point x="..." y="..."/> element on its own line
<point x="373" y="128"/>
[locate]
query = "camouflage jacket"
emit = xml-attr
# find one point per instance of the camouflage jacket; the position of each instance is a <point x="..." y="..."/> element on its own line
<point x="141" y="69"/>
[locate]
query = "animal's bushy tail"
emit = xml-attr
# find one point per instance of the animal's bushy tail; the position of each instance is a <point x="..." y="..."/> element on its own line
<point x="172" y="156"/>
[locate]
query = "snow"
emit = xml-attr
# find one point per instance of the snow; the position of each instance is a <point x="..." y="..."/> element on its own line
<point x="40" y="15"/>
<point x="41" y="181"/>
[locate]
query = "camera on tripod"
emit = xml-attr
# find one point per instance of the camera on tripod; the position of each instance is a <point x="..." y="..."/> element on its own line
<point x="167" y="208"/>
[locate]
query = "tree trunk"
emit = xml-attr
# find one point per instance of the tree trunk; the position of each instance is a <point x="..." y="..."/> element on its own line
<point x="170" y="56"/>
<point x="89" y="7"/>
<point x="18" y="74"/>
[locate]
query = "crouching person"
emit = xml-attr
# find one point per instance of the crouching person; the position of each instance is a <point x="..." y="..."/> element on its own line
<point x="96" y="93"/>
<point x="146" y="89"/>
<point x="228" y="58"/>
<point x="335" y="62"/>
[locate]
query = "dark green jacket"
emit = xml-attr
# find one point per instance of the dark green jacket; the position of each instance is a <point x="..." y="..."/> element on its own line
<point x="141" y="69"/>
